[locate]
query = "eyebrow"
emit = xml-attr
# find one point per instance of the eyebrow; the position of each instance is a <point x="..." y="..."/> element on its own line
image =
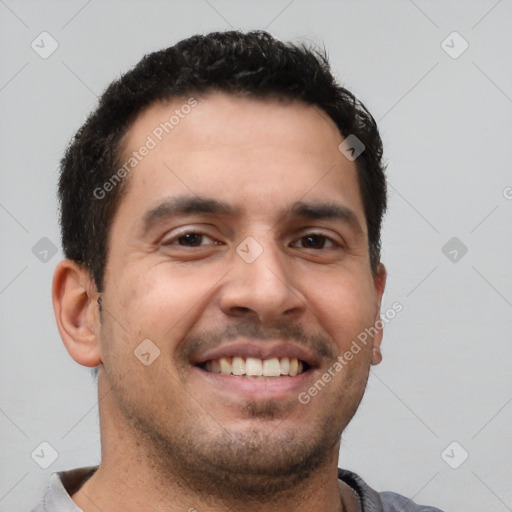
<point x="186" y="205"/>
<point x="325" y="211"/>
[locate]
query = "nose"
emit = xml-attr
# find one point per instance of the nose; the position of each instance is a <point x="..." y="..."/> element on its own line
<point x="263" y="288"/>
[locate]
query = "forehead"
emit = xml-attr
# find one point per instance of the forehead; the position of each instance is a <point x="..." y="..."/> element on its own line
<point x="257" y="154"/>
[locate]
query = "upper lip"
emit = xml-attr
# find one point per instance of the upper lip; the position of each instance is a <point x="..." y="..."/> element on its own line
<point x="259" y="349"/>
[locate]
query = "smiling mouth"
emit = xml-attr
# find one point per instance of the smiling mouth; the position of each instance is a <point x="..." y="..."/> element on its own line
<point x="255" y="368"/>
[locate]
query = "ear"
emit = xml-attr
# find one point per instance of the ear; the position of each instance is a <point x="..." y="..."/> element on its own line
<point x="379" y="284"/>
<point x="74" y="297"/>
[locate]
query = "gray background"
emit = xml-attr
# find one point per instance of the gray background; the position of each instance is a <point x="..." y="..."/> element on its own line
<point x="446" y="125"/>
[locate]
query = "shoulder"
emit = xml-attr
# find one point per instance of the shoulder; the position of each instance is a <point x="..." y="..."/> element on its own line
<point x="393" y="502"/>
<point x="373" y="501"/>
<point x="61" y="486"/>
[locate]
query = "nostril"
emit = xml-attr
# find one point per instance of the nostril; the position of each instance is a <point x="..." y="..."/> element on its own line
<point x="240" y="310"/>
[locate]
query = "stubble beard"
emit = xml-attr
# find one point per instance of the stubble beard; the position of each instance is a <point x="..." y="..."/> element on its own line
<point x="258" y="464"/>
<point x="265" y="460"/>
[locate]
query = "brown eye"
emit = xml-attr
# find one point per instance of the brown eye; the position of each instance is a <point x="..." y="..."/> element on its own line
<point x="315" y="241"/>
<point x="191" y="239"/>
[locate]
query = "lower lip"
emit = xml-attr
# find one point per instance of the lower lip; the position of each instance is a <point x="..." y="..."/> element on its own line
<point x="274" y="388"/>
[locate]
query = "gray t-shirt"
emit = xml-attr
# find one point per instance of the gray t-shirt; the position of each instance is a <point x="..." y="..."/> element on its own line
<point x="64" y="484"/>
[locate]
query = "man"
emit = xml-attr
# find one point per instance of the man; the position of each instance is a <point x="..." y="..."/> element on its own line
<point x="221" y="214"/>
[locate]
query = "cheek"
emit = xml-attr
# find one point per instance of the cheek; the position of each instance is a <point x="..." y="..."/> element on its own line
<point x="163" y="301"/>
<point x="345" y="306"/>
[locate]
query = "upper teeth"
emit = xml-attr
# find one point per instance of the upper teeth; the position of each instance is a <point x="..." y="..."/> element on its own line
<point x="253" y="366"/>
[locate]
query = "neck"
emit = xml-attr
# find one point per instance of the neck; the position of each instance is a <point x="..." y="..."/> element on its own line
<point x="110" y="490"/>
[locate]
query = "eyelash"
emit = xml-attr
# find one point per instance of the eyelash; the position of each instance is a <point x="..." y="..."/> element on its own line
<point x="322" y="236"/>
<point x="182" y="235"/>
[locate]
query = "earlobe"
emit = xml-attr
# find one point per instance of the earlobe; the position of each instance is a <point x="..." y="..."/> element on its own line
<point x="380" y="284"/>
<point x="75" y="306"/>
<point x="376" y="356"/>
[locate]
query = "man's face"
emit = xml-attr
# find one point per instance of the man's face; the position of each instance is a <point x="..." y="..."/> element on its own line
<point x="241" y="236"/>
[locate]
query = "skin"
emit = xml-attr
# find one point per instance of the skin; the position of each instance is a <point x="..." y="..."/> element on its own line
<point x="173" y="438"/>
